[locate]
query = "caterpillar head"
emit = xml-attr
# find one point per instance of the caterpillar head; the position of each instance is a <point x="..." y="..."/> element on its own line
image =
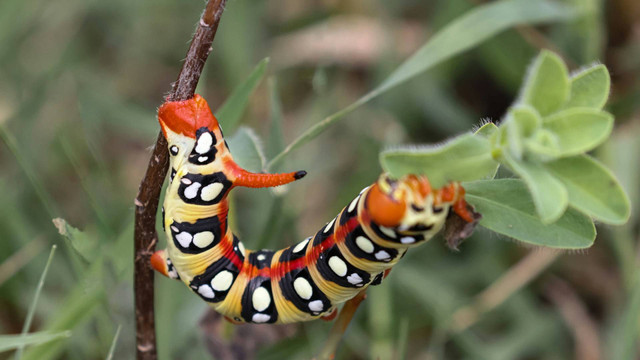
<point x="195" y="138"/>
<point x="408" y="204"/>
<point x="191" y="129"/>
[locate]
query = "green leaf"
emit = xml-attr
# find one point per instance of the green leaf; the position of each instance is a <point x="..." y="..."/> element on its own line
<point x="522" y="121"/>
<point x="579" y="129"/>
<point x="544" y="145"/>
<point x="464" y="158"/>
<point x="507" y="208"/>
<point x="546" y="86"/>
<point x="548" y="193"/>
<point x="246" y="148"/>
<point x="10" y="342"/>
<point x="590" y="88"/>
<point x="82" y="243"/>
<point x="592" y="188"/>
<point x="230" y="112"/>
<point x="487" y="130"/>
<point x="464" y="33"/>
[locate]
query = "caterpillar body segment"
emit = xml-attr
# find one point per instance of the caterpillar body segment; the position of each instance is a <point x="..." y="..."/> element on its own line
<point x="304" y="281"/>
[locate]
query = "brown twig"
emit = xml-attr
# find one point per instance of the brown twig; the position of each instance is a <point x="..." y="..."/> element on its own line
<point x="146" y="202"/>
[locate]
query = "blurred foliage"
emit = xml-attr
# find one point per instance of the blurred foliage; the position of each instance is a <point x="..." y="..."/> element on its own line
<point x="79" y="85"/>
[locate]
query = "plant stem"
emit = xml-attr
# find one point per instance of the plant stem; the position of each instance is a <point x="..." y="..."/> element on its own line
<point x="145" y="237"/>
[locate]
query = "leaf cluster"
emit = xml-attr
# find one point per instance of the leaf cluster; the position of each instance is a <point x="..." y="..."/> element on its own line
<point x="543" y="139"/>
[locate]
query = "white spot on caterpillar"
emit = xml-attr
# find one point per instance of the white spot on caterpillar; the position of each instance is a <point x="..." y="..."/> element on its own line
<point x="408" y="240"/>
<point x="192" y="190"/>
<point x="365" y="244"/>
<point x="185" y="181"/>
<point x="202" y="158"/>
<point x="303" y="288"/>
<point x="261" y="257"/>
<point x="184" y="238"/>
<point x="222" y="281"/>
<point x="354" y="279"/>
<point x="203" y="239"/>
<point x="173" y="274"/>
<point x="338" y="266"/>
<point x="242" y="249"/>
<point x="301" y="245"/>
<point x="353" y="204"/>
<point x="389" y="232"/>
<point x="204" y="143"/>
<point x="206" y="291"/>
<point x="329" y="225"/>
<point x="382" y="255"/>
<point x="211" y="191"/>
<point x="174" y="228"/>
<point x="260" y="318"/>
<point x="261" y="299"/>
<point x="315" y="305"/>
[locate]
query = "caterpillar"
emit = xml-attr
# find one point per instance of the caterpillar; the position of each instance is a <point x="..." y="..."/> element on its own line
<point x="304" y="281"/>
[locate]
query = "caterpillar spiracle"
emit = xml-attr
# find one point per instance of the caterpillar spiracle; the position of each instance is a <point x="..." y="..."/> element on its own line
<point x="304" y="281"/>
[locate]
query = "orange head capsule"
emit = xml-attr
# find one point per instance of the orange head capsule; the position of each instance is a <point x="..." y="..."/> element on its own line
<point x="385" y="207"/>
<point x="187" y="116"/>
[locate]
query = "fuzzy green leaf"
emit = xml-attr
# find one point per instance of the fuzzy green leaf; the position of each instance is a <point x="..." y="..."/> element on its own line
<point x="549" y="195"/>
<point x="507" y="208"/>
<point x="246" y="148"/>
<point x="11" y="342"/>
<point x="579" y="129"/>
<point x="592" y="188"/>
<point x="546" y="86"/>
<point x="230" y="112"/>
<point x="590" y="88"/>
<point x="463" y="158"/>
<point x="522" y="121"/>
<point x="486" y="130"/>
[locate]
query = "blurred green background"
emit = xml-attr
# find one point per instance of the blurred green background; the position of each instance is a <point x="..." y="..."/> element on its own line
<point x="80" y="81"/>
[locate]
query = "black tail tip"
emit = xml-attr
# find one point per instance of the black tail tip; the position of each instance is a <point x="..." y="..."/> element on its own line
<point x="299" y="175"/>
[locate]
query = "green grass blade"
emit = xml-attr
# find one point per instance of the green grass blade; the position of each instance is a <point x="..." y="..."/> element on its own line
<point x="276" y="134"/>
<point x="462" y="34"/>
<point x="34" y="302"/>
<point x="230" y="112"/>
<point x="11" y="342"/>
<point x="112" y="349"/>
<point x="246" y="147"/>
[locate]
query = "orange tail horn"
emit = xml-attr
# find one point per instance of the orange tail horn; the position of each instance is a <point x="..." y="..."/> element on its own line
<point x="245" y="178"/>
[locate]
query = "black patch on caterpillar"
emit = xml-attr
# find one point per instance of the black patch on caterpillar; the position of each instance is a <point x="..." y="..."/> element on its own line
<point x="207" y="157"/>
<point x="211" y="224"/>
<point x="172" y="175"/>
<point x="261" y="259"/>
<point x="163" y="219"/>
<point x="380" y="234"/>
<point x="322" y="234"/>
<point x="173" y="150"/>
<point x="346" y="215"/>
<point x="204" y="279"/>
<point x="378" y="279"/>
<point x="171" y="268"/>
<point x="304" y="305"/>
<point x="350" y="242"/>
<point x="289" y="255"/>
<point x="196" y="182"/>
<point x="248" y="311"/>
<point x="354" y="278"/>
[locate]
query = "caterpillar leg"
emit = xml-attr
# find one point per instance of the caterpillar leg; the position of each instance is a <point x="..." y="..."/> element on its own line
<point x="161" y="263"/>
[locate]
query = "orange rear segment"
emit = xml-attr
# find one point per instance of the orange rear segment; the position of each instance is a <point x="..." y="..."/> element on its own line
<point x="186" y="117"/>
<point x="158" y="263"/>
<point x="383" y="209"/>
